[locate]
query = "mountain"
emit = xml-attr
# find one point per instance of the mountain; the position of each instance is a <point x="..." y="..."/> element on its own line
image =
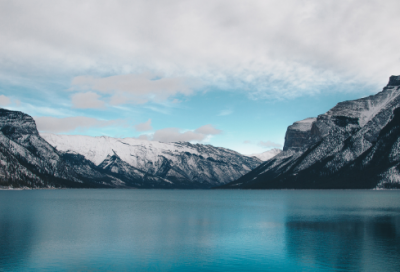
<point x="26" y="160"/>
<point x="267" y="155"/>
<point x="150" y="164"/>
<point x="356" y="144"/>
<point x="29" y="160"/>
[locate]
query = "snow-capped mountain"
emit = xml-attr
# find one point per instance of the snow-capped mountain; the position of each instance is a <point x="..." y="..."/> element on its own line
<point x="356" y="144"/>
<point x="27" y="159"/>
<point x="175" y="165"/>
<point x="267" y="155"/>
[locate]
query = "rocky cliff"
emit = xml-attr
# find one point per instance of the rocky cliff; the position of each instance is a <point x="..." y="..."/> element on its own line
<point x="27" y="159"/>
<point x="299" y="134"/>
<point x="353" y="145"/>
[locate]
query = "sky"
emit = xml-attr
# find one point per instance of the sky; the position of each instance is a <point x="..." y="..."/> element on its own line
<point x="233" y="74"/>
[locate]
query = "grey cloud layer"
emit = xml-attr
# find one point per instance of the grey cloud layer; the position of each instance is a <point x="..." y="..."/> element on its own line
<point x="208" y="130"/>
<point x="134" y="88"/>
<point x="87" y="100"/>
<point x="146" y="126"/>
<point x="4" y="100"/>
<point x="69" y="124"/>
<point x="175" y="135"/>
<point x="271" y="48"/>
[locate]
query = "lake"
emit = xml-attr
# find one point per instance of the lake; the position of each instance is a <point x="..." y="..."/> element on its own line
<point x="199" y="230"/>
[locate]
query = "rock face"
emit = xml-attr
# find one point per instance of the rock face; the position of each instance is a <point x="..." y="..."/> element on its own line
<point x="299" y="134"/>
<point x="175" y="165"/>
<point x="356" y="144"/>
<point x="29" y="160"/>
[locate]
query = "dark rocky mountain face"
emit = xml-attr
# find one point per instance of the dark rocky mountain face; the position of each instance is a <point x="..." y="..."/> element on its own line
<point x="353" y="145"/>
<point x="299" y="135"/>
<point x="28" y="160"/>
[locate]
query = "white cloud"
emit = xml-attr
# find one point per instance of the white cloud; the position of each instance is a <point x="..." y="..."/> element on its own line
<point x="144" y="126"/>
<point x="87" y="100"/>
<point x="208" y="130"/>
<point x="4" y="100"/>
<point x="269" y="144"/>
<point x="69" y="124"/>
<point x="136" y="88"/>
<point x="144" y="137"/>
<point x="269" y="48"/>
<point x="247" y="142"/>
<point x="225" y="112"/>
<point x="175" y="134"/>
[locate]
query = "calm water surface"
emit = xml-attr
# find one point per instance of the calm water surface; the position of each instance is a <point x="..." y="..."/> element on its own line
<point x="162" y="230"/>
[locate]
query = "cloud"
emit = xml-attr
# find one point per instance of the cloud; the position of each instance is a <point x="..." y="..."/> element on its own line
<point x="69" y="124"/>
<point x="144" y="137"/>
<point x="247" y="142"/>
<point x="136" y="88"/>
<point x="225" y="112"/>
<point x="270" y="49"/>
<point x="4" y="100"/>
<point x="269" y="144"/>
<point x="87" y="100"/>
<point x="208" y="130"/>
<point x="175" y="134"/>
<point x="144" y="126"/>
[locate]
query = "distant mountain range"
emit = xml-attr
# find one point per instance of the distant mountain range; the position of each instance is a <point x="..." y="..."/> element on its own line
<point x="28" y="159"/>
<point x="267" y="155"/>
<point x="354" y="145"/>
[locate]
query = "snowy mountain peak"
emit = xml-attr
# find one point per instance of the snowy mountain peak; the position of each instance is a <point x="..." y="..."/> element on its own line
<point x="267" y="155"/>
<point x="364" y="109"/>
<point x="204" y="165"/>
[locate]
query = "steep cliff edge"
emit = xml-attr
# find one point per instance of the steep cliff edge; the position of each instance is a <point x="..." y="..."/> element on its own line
<point x="26" y="159"/>
<point x="353" y="145"/>
<point x="299" y="135"/>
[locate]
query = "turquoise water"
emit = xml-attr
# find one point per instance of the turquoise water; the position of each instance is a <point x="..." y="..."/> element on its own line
<point x="199" y="230"/>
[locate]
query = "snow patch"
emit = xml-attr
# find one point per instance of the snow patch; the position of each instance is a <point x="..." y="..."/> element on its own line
<point x="267" y="155"/>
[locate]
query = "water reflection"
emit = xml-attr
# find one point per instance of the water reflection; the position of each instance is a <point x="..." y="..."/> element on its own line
<point x="17" y="229"/>
<point x="346" y="243"/>
<point x="151" y="230"/>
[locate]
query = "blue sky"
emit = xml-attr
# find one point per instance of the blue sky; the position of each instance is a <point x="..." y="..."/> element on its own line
<point x="229" y="73"/>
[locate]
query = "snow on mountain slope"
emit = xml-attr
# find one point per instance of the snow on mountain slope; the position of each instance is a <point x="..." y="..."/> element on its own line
<point x="267" y="155"/>
<point x="27" y="159"/>
<point x="179" y="162"/>
<point x="350" y="146"/>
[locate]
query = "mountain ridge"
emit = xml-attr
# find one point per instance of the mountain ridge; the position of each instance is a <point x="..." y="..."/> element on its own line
<point x="338" y="148"/>
<point x="179" y="162"/>
<point x="29" y="160"/>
